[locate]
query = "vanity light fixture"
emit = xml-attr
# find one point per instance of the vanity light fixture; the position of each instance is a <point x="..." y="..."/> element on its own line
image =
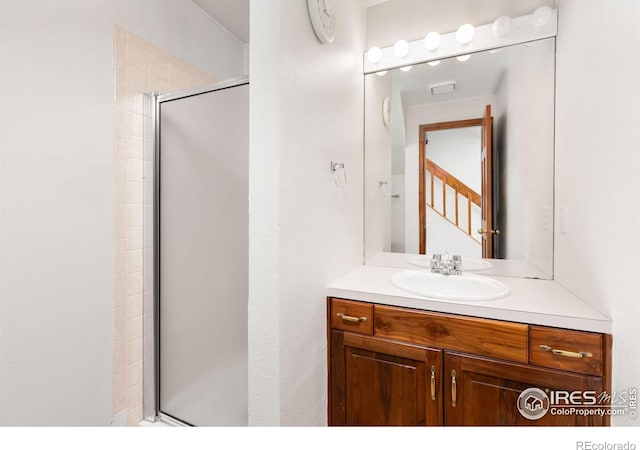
<point x="541" y="16"/>
<point x="434" y="63"/>
<point x="374" y="55"/>
<point x="401" y="48"/>
<point x="463" y="57"/>
<point x="432" y="41"/>
<point x="406" y="68"/>
<point x="381" y="73"/>
<point x="465" y="33"/>
<point x="501" y="26"/>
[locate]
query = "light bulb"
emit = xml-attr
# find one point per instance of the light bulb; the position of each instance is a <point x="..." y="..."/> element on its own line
<point x="406" y="68"/>
<point x="463" y="57"/>
<point x="434" y="63"/>
<point x="374" y="55"/>
<point x="432" y="41"/>
<point x="401" y="48"/>
<point x="541" y="16"/>
<point x="381" y="73"/>
<point x="501" y="26"/>
<point x="465" y="33"/>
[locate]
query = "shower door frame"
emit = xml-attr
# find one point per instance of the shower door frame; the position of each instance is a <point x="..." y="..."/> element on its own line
<point x="157" y="100"/>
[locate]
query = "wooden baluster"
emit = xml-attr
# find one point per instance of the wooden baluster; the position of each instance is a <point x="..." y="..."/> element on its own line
<point x="469" y="213"/>
<point x="444" y="196"/>
<point x="457" y="219"/>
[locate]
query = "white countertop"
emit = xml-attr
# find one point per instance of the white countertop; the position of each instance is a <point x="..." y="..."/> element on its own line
<point x="538" y="302"/>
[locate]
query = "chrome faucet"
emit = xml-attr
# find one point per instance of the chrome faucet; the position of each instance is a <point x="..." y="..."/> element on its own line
<point x="446" y="265"/>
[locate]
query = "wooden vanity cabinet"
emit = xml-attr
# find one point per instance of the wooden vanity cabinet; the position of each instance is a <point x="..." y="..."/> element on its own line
<point x="400" y="366"/>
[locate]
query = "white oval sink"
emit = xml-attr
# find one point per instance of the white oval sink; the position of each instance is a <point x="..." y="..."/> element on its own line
<point x="468" y="264"/>
<point x="463" y="288"/>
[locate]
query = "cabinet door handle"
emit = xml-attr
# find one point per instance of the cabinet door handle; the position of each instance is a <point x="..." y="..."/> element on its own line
<point x="433" y="383"/>
<point x="454" y="389"/>
<point x="351" y="318"/>
<point x="566" y="353"/>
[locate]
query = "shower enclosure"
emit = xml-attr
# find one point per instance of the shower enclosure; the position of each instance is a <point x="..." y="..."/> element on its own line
<point x="201" y="256"/>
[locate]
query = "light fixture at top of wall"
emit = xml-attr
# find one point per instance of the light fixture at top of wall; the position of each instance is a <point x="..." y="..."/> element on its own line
<point x="401" y="48"/>
<point x="463" y="57"/>
<point x="432" y="41"/>
<point x="501" y="26"/>
<point x="465" y="33"/>
<point x="406" y="68"/>
<point x="374" y="55"/>
<point x="381" y="73"/>
<point x="434" y="63"/>
<point x="541" y="16"/>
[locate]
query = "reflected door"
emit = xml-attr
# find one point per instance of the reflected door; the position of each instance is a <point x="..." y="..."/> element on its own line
<point x="486" y="164"/>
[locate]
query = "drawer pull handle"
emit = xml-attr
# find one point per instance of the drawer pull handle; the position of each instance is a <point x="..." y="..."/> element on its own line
<point x="566" y="353"/>
<point x="454" y="389"/>
<point x="433" y="383"/>
<point x="351" y="318"/>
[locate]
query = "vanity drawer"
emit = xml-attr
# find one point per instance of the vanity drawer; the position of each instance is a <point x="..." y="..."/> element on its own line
<point x="574" y="351"/>
<point x="352" y="316"/>
<point x="485" y="337"/>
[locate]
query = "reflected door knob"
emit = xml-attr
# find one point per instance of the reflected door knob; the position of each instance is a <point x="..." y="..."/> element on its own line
<point x="483" y="231"/>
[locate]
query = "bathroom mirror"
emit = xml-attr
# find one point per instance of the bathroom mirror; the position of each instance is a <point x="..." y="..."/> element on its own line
<point x="459" y="160"/>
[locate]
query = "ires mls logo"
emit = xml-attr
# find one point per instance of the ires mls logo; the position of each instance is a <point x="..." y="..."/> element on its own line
<point x="533" y="403"/>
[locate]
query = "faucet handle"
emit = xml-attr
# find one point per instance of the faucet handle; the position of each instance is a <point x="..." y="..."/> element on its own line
<point x="457" y="262"/>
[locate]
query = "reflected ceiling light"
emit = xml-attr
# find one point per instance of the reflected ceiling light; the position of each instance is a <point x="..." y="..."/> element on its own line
<point x="432" y="41"/>
<point x="443" y="88"/>
<point x="406" y="68"/>
<point x="463" y="57"/>
<point x="381" y="73"/>
<point x="465" y="33"/>
<point x="401" y="48"/>
<point x="374" y="55"/>
<point x="434" y="63"/>
<point x="501" y="26"/>
<point x="541" y="16"/>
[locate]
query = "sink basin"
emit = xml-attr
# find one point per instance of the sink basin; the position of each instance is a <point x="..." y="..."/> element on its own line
<point x="464" y="288"/>
<point x="468" y="264"/>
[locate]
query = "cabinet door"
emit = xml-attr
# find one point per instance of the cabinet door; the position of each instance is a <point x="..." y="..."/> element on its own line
<point x="378" y="382"/>
<point x="482" y="391"/>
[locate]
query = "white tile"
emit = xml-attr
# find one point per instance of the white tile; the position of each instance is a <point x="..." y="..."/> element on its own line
<point x="135" y="169"/>
<point x="134" y="306"/>
<point x="134" y="258"/>
<point x="134" y="283"/>
<point x="134" y="192"/>
<point x="134" y="147"/>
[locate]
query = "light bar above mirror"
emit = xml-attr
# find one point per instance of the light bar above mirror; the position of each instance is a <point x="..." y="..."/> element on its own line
<point x="543" y="23"/>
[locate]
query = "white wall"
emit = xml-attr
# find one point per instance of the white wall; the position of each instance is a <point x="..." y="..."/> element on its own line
<point x="306" y="110"/>
<point x="419" y="115"/>
<point x="57" y="193"/>
<point x="377" y="166"/>
<point x="443" y="237"/>
<point x="458" y="152"/>
<point x="598" y="168"/>
<point x="523" y="136"/>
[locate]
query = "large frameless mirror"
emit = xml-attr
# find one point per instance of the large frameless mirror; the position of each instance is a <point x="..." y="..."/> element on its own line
<point x="459" y="159"/>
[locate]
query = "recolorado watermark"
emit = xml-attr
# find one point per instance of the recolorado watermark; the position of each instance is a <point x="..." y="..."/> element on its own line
<point x="589" y="445"/>
<point x="534" y="403"/>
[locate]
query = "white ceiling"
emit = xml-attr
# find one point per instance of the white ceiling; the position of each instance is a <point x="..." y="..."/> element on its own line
<point x="232" y="14"/>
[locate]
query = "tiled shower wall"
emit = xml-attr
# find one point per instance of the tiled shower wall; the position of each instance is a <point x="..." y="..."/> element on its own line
<point x="140" y="68"/>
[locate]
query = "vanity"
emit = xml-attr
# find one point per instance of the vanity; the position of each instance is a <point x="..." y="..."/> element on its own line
<point x="401" y="359"/>
<point x="452" y="165"/>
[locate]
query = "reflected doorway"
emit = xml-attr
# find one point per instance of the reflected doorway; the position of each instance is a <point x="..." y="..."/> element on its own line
<point x="456" y="187"/>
